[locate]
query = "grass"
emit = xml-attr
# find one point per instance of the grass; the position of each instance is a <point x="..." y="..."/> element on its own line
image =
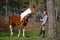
<point x="30" y="35"/>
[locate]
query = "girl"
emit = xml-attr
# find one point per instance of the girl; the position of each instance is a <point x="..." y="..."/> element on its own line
<point x="43" y="23"/>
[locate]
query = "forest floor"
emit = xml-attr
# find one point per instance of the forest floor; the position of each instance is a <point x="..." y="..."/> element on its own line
<point x="32" y="31"/>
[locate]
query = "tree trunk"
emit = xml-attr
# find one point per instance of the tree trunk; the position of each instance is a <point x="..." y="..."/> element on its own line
<point x="52" y="19"/>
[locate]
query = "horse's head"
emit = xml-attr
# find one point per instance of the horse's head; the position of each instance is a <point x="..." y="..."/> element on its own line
<point x="33" y="9"/>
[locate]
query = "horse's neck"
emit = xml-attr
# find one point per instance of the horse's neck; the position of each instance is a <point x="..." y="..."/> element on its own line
<point x="25" y="13"/>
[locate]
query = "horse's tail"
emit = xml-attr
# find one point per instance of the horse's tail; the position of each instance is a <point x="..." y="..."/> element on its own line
<point x="10" y="20"/>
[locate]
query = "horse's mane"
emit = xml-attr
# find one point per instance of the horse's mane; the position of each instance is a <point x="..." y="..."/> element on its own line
<point x="25" y="13"/>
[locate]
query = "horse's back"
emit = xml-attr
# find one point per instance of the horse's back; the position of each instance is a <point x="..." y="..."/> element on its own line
<point x="14" y="19"/>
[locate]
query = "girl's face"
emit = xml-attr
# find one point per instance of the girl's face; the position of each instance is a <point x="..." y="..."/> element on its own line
<point x="45" y="13"/>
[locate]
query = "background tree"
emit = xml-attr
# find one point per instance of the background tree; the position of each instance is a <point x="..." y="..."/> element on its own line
<point x="52" y="19"/>
<point x="57" y="9"/>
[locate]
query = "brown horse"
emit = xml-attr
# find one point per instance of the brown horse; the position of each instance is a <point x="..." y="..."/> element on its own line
<point x="21" y="20"/>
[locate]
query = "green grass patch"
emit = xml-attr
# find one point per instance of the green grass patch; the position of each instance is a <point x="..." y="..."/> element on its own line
<point x="28" y="35"/>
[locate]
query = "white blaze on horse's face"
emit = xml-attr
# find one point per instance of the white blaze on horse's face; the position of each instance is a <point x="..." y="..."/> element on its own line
<point x="26" y="12"/>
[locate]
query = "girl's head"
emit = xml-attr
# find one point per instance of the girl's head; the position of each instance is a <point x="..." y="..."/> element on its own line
<point x="45" y="13"/>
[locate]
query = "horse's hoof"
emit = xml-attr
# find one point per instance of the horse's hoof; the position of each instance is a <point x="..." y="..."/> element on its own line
<point x="23" y="36"/>
<point x="18" y="36"/>
<point x="43" y="36"/>
<point x="11" y="34"/>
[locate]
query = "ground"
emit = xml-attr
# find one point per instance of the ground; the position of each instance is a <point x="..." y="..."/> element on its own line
<point x="32" y="31"/>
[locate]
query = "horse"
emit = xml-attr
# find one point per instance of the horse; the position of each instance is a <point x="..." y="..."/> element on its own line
<point x="21" y="20"/>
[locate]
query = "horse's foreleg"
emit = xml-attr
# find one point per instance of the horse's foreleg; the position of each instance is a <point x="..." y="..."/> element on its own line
<point x="11" y="32"/>
<point x="23" y="32"/>
<point x="19" y="33"/>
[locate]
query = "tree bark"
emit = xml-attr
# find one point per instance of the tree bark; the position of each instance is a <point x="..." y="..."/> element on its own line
<point x="52" y="19"/>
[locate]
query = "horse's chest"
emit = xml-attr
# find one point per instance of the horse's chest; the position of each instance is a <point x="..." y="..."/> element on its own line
<point x="25" y="21"/>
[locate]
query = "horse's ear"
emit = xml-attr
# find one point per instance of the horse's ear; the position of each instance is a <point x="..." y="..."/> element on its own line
<point x="34" y="6"/>
<point x="33" y="9"/>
